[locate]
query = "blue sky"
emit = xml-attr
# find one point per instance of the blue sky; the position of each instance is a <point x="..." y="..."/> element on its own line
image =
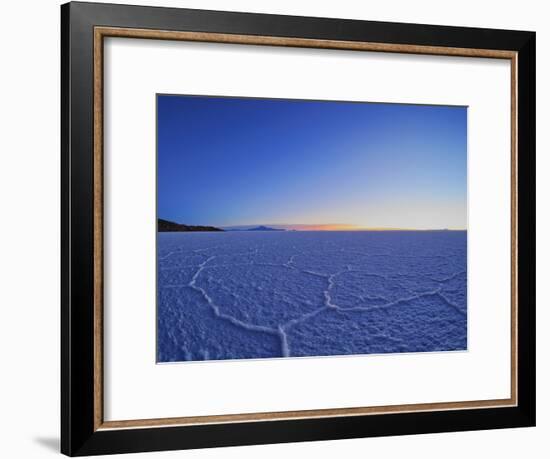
<point x="241" y="161"/>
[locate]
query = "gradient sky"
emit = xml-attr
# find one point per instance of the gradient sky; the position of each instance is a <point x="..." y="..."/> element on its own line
<point x="238" y="161"/>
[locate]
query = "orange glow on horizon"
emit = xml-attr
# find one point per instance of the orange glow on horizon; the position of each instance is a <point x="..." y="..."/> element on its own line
<point x="329" y="227"/>
<point x="348" y="227"/>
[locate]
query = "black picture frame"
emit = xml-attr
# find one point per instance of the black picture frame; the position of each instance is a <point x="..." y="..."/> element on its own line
<point x="79" y="435"/>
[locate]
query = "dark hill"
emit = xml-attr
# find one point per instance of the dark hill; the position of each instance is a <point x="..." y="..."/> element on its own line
<point x="167" y="226"/>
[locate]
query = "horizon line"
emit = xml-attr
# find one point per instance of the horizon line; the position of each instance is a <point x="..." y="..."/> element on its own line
<point x="337" y="227"/>
<point x="344" y="229"/>
<point x="323" y="227"/>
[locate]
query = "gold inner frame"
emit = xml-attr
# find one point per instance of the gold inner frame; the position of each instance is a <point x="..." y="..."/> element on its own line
<point x="99" y="34"/>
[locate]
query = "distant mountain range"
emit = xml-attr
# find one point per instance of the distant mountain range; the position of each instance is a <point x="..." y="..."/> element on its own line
<point x="164" y="226"/>
<point x="264" y="228"/>
<point x="252" y="228"/>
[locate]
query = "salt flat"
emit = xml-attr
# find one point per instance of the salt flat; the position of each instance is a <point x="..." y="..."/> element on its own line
<point x="241" y="295"/>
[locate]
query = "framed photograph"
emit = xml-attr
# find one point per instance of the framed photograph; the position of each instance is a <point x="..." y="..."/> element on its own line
<point x="280" y="229"/>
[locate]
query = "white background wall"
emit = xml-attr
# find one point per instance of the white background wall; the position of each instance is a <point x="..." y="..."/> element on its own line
<point x="29" y="231"/>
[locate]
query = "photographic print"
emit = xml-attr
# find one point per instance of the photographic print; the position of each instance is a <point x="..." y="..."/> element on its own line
<point x="307" y="228"/>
